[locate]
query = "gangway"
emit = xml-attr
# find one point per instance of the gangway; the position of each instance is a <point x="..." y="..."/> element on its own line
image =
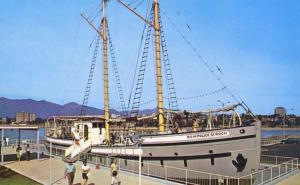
<point x="79" y="147"/>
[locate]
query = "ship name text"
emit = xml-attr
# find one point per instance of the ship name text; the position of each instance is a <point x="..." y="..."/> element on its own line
<point x="208" y="135"/>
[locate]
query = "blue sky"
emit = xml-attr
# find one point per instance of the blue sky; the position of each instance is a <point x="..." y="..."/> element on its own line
<point x="45" y="54"/>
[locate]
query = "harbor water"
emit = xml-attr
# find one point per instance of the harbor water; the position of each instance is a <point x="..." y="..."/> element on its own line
<point x="269" y="133"/>
<point x="24" y="134"/>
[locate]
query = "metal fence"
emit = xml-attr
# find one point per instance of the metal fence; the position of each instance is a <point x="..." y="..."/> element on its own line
<point x="272" y="168"/>
<point x="277" y="167"/>
<point x="268" y="142"/>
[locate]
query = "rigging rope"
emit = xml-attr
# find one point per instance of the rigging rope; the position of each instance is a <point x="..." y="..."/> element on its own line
<point x="90" y="79"/>
<point x="168" y="72"/>
<point x="201" y="58"/>
<point x="140" y="78"/>
<point x="139" y="4"/>
<point x="137" y="60"/>
<point x="116" y="73"/>
<point x="189" y="97"/>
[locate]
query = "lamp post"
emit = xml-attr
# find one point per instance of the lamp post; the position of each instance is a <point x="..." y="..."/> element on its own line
<point x="140" y="161"/>
<point x="284" y="115"/>
<point x="50" y="171"/>
<point x="292" y="121"/>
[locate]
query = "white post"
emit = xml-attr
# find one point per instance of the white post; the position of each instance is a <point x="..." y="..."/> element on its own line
<point x="107" y="162"/>
<point x="38" y="143"/>
<point x="50" y="161"/>
<point x="279" y="170"/>
<point x="140" y="162"/>
<point x="148" y="169"/>
<point x="2" y="134"/>
<point x="140" y="165"/>
<point x="271" y="173"/>
<point x="185" y="176"/>
<point x="284" y="124"/>
<point x="166" y="172"/>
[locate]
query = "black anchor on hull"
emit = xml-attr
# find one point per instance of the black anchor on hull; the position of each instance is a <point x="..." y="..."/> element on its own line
<point x="240" y="163"/>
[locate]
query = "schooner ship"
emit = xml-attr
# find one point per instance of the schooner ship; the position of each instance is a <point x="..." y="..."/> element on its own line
<point x="231" y="150"/>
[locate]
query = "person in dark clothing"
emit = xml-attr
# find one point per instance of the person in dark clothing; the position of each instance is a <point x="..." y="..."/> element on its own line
<point x="113" y="139"/>
<point x="27" y="149"/>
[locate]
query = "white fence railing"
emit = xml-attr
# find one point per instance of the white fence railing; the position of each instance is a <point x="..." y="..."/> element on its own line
<point x="278" y="167"/>
<point x="268" y="142"/>
<point x="273" y="168"/>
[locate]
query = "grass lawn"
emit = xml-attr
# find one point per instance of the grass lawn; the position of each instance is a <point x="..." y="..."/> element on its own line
<point x="9" y="177"/>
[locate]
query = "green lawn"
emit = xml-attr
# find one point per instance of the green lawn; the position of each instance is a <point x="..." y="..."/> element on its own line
<point x="9" y="177"/>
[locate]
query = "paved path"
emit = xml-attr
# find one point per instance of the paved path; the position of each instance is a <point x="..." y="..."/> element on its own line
<point x="292" y="180"/>
<point x="39" y="170"/>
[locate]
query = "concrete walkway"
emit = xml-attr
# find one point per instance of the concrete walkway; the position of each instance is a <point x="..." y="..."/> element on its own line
<point x="292" y="180"/>
<point x="39" y="170"/>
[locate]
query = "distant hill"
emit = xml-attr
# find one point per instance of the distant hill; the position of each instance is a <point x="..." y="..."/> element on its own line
<point x="45" y="109"/>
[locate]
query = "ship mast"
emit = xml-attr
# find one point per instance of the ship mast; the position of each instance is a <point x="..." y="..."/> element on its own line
<point x="105" y="72"/>
<point x="158" y="69"/>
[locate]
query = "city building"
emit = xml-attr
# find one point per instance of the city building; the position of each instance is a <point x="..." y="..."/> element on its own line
<point x="281" y="111"/>
<point x="3" y="120"/>
<point x="23" y="117"/>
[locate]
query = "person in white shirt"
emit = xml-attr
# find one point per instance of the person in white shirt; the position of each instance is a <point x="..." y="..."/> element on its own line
<point x="7" y="141"/>
<point x="114" y="172"/>
<point x="85" y="172"/>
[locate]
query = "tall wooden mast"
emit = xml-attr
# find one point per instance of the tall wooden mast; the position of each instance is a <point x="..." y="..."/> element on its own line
<point x="105" y="72"/>
<point x="158" y="69"/>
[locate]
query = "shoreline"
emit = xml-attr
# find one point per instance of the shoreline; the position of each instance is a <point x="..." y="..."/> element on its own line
<point x="277" y="128"/>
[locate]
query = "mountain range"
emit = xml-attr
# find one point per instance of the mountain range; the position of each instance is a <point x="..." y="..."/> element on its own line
<point x="44" y="109"/>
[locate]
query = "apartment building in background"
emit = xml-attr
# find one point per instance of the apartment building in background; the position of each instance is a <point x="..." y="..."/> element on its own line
<point x="23" y="117"/>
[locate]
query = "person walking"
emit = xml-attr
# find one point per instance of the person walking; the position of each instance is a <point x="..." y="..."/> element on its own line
<point x="70" y="172"/>
<point x="7" y="141"/>
<point x="19" y="152"/>
<point x="27" y="150"/>
<point x="114" y="173"/>
<point x="85" y="172"/>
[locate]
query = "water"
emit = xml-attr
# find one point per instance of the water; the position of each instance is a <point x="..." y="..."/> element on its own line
<point x="24" y="134"/>
<point x="268" y="133"/>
